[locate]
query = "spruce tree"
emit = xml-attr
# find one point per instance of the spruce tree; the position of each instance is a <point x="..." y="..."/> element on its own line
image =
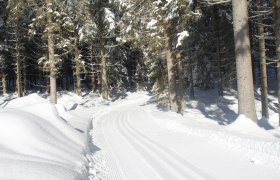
<point x="246" y="99"/>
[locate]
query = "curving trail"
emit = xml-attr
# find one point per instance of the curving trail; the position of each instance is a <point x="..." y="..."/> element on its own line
<point x="134" y="146"/>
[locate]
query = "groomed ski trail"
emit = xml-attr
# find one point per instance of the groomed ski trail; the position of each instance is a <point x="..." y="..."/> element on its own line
<point x="133" y="146"/>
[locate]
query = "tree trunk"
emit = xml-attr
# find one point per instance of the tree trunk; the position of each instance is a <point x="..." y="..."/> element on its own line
<point x="103" y="76"/>
<point x="51" y="54"/>
<point x="77" y="68"/>
<point x="182" y="93"/>
<point x="170" y="69"/>
<point x="262" y="64"/>
<point x="4" y="87"/>
<point x="277" y="36"/>
<point x="104" y="80"/>
<point x="246" y="99"/>
<point x="190" y="77"/>
<point x="93" y="87"/>
<point x="218" y="53"/>
<point x="24" y="79"/>
<point x="18" y="61"/>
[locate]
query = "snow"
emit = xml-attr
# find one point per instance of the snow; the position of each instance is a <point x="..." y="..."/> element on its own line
<point x="165" y="145"/>
<point x="181" y="36"/>
<point x="133" y="139"/>
<point x="245" y="126"/>
<point x="110" y="19"/>
<point x="152" y="24"/>
<point x="36" y="143"/>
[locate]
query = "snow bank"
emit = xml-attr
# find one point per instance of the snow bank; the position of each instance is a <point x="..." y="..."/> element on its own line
<point x="26" y="100"/>
<point x="246" y="127"/>
<point x="243" y="135"/>
<point x="35" y="143"/>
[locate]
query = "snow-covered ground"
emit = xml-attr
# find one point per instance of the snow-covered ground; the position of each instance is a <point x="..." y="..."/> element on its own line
<point x="86" y="138"/>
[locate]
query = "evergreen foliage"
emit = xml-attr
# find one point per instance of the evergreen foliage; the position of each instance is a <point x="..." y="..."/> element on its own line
<point x="115" y="46"/>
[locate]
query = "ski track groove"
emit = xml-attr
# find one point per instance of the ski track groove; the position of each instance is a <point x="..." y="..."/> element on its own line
<point x="109" y="161"/>
<point x="192" y="169"/>
<point x="149" y="154"/>
<point x="129" y="172"/>
<point x="160" y="162"/>
<point x="165" y="158"/>
<point x="129" y="142"/>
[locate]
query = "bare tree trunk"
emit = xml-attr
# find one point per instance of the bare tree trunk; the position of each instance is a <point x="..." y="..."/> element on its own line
<point x="18" y="60"/>
<point x="24" y="79"/>
<point x="104" y="79"/>
<point x="262" y="64"/>
<point x="190" y="76"/>
<point x="246" y="99"/>
<point x="4" y="87"/>
<point x="93" y="87"/>
<point x="218" y="56"/>
<point x="170" y="69"/>
<point x="51" y="54"/>
<point x="77" y="68"/>
<point x="277" y="36"/>
<point x="182" y="93"/>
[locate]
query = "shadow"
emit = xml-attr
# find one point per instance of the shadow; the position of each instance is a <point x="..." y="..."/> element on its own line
<point x="73" y="107"/>
<point x="213" y="106"/>
<point x="263" y="122"/>
<point x="118" y="96"/>
<point x="87" y="93"/>
<point x="81" y="131"/>
<point x="271" y="105"/>
<point x="83" y="103"/>
<point x="7" y="100"/>
<point x="153" y="101"/>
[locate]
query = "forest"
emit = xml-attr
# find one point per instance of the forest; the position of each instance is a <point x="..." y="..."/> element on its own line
<point x="139" y="89"/>
<point x="114" y="46"/>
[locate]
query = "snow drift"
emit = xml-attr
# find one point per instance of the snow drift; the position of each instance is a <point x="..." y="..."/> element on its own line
<point x="35" y="143"/>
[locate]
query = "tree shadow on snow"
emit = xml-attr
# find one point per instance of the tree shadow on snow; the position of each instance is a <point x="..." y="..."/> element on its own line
<point x="214" y="107"/>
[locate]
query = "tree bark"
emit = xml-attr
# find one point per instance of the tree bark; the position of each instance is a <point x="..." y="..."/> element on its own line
<point x="277" y="36"/>
<point x="77" y="68"/>
<point x="181" y="80"/>
<point x="104" y="70"/>
<point x="18" y="60"/>
<point x="190" y="76"/>
<point x="218" y="51"/>
<point x="4" y="87"/>
<point x="104" y="79"/>
<point x="24" y="79"/>
<point x="170" y="69"/>
<point x="92" y="68"/>
<point x="51" y="54"/>
<point x="262" y="64"/>
<point x="246" y="99"/>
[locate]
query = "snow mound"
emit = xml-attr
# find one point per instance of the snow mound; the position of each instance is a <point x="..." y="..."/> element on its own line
<point x="245" y="126"/>
<point x="48" y="112"/>
<point x="35" y="143"/>
<point x="26" y="100"/>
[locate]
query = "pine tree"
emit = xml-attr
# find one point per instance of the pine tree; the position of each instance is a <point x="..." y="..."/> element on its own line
<point x="262" y="51"/>
<point x="15" y="21"/>
<point x="246" y="100"/>
<point x="277" y="36"/>
<point x="3" y="49"/>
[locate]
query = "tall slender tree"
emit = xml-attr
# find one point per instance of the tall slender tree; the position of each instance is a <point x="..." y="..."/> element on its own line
<point x="15" y="22"/>
<point x="246" y="99"/>
<point x="262" y="52"/>
<point x="51" y="55"/>
<point x="277" y="36"/>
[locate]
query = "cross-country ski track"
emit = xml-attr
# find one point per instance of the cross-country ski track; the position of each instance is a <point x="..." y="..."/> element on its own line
<point x="134" y="143"/>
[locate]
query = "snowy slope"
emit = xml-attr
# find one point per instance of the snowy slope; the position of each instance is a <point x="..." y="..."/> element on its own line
<point x="36" y="143"/>
<point x="133" y="139"/>
<point x="138" y="141"/>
